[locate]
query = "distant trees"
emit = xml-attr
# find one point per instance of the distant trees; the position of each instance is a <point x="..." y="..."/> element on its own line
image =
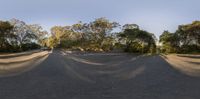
<point x="186" y="39"/>
<point x="101" y="28"/>
<point x="136" y="40"/>
<point x="94" y="36"/>
<point x="40" y="34"/>
<point x="23" y="33"/>
<point x="170" y="42"/>
<point x="64" y="36"/>
<point x="6" y="36"/>
<point x="98" y="35"/>
<point x="17" y="36"/>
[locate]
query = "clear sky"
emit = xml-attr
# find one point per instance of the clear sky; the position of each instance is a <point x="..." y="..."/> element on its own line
<point x="151" y="15"/>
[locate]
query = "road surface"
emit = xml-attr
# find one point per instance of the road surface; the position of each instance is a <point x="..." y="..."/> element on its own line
<point x="100" y="76"/>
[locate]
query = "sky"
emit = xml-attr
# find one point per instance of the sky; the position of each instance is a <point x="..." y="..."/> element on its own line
<point x="154" y="16"/>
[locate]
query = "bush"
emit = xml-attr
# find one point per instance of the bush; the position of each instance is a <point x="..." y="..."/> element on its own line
<point x="190" y="49"/>
<point x="30" y="46"/>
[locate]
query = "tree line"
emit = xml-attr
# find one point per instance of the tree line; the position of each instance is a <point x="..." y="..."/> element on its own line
<point x="16" y="36"/>
<point x="186" y="39"/>
<point x="99" y="35"/>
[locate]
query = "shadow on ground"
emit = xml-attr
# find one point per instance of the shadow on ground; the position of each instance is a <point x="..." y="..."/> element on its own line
<point x="186" y="65"/>
<point x="92" y="77"/>
<point x="17" y="64"/>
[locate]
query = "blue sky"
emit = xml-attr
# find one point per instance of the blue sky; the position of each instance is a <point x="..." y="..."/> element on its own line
<point x="151" y="15"/>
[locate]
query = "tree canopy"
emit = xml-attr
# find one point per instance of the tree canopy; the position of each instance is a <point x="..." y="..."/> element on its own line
<point x="16" y="35"/>
<point x="137" y="40"/>
<point x="186" y="39"/>
<point x="97" y="35"/>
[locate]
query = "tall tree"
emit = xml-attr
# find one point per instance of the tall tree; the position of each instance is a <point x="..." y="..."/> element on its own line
<point x="170" y="42"/>
<point x="189" y="33"/>
<point x="41" y="35"/>
<point x="186" y="39"/>
<point x="23" y="32"/>
<point x="6" y="35"/>
<point x="137" y="40"/>
<point x="101" y="27"/>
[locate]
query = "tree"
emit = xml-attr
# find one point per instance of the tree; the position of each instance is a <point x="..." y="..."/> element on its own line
<point x="130" y="26"/>
<point x="6" y="36"/>
<point x="62" y="34"/>
<point x="137" y="40"/>
<point x="100" y="28"/>
<point x="52" y="42"/>
<point x="170" y="42"/>
<point x="93" y="34"/>
<point x="185" y="40"/>
<point x="57" y="32"/>
<point x="41" y="35"/>
<point x="189" y="33"/>
<point x="23" y="33"/>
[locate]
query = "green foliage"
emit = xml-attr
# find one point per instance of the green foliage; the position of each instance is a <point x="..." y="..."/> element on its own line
<point x="98" y="35"/>
<point x="30" y="46"/>
<point x="93" y="36"/>
<point x="185" y="40"/>
<point x="16" y="35"/>
<point x="52" y="42"/>
<point x="6" y="36"/>
<point x="136" y="40"/>
<point x="170" y="42"/>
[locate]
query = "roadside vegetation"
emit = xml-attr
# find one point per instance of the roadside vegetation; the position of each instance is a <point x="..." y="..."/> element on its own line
<point x="186" y="39"/>
<point x="100" y="35"/>
<point x="17" y="36"/>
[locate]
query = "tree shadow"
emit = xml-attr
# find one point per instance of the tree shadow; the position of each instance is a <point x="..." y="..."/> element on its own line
<point x="188" y="68"/>
<point x="122" y="69"/>
<point x="17" y="67"/>
<point x="195" y="63"/>
<point x="190" y="56"/>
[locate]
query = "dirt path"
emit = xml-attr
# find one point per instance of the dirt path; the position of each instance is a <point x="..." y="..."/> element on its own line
<point x="188" y="64"/>
<point x="22" y="58"/>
